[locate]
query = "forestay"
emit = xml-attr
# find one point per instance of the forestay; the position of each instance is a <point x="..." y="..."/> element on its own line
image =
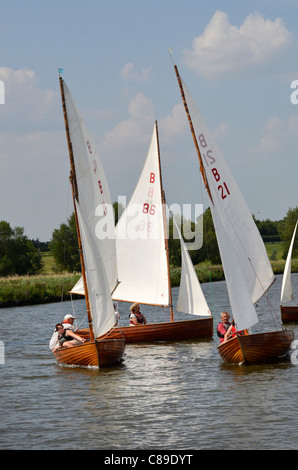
<point x="286" y="288"/>
<point x="246" y="265"/>
<point x="140" y="233"/>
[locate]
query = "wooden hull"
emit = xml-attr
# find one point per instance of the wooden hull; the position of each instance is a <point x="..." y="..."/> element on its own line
<point x="102" y="353"/>
<point x="166" y="331"/>
<point x="289" y="314"/>
<point x="256" y="348"/>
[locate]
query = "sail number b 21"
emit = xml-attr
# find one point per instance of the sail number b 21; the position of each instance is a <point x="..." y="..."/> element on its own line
<point x="209" y="161"/>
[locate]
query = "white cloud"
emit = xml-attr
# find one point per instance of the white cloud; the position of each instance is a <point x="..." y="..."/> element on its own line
<point x="174" y="123"/>
<point x="129" y="73"/>
<point x="277" y="134"/>
<point x="221" y="131"/>
<point x="224" y="49"/>
<point x="134" y="129"/>
<point x="25" y="102"/>
<point x="33" y="153"/>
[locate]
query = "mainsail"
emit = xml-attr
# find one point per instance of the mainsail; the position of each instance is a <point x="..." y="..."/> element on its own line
<point x="246" y="265"/>
<point x="140" y="232"/>
<point x="94" y="211"/>
<point x="286" y="288"/>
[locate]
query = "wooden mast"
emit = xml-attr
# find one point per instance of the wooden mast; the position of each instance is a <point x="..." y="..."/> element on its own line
<point x="202" y="169"/>
<point x="163" y="201"/>
<point x="75" y="196"/>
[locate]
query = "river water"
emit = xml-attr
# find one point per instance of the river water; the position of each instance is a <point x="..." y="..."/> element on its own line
<point x="173" y="396"/>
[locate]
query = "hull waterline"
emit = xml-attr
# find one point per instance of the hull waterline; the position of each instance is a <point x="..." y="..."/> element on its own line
<point x="166" y="331"/>
<point x="101" y="353"/>
<point x="256" y="348"/>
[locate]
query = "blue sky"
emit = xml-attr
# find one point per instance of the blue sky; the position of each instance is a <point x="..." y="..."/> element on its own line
<point x="238" y="60"/>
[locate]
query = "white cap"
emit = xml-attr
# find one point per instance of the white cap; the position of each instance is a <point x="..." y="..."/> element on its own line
<point x="67" y="317"/>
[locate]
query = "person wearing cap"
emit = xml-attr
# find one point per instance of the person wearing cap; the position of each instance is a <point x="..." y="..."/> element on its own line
<point x="68" y="322"/>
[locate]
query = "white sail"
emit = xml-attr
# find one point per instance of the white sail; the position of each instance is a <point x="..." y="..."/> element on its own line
<point x="140" y="233"/>
<point x="95" y="213"/>
<point x="245" y="262"/>
<point x="78" y="288"/>
<point x="286" y="288"/>
<point x="190" y="297"/>
<point x="101" y="305"/>
<point x="94" y="194"/>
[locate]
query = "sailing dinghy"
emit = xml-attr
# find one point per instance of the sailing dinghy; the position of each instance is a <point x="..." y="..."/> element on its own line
<point x="91" y="199"/>
<point x="289" y="313"/>
<point x="247" y="269"/>
<point x="143" y="264"/>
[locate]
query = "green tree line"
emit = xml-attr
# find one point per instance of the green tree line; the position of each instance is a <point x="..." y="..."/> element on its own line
<point x="20" y="256"/>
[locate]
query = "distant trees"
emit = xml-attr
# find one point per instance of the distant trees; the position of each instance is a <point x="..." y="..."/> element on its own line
<point x="18" y="255"/>
<point x="286" y="229"/>
<point x="268" y="229"/>
<point x="209" y="249"/>
<point x="64" y="243"/>
<point x="271" y="231"/>
<point x="64" y="246"/>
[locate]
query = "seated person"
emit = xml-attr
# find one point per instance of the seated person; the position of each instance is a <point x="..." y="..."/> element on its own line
<point x="223" y="326"/>
<point x="66" y="338"/>
<point x="136" y="317"/>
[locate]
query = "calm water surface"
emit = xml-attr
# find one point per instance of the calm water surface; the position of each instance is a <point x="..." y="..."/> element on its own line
<point x="164" y="396"/>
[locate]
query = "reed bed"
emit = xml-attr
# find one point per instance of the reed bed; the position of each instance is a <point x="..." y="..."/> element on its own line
<point x="22" y="290"/>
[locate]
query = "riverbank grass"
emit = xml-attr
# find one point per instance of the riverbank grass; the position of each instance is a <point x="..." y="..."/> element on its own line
<point x="22" y="290"/>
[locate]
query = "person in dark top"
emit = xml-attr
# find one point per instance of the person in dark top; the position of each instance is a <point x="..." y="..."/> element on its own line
<point x="66" y="338"/>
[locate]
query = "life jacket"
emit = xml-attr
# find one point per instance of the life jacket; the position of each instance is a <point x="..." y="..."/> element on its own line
<point x="64" y="337"/>
<point x="219" y="334"/>
<point x="139" y="317"/>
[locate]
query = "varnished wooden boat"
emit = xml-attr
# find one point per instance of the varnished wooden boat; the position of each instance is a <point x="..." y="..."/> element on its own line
<point x="289" y="314"/>
<point x="167" y="331"/>
<point x="256" y="348"/>
<point x="248" y="271"/>
<point x="98" y="281"/>
<point x="101" y="353"/>
<point x="181" y="330"/>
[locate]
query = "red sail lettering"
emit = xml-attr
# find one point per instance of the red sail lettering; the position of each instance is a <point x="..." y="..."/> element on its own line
<point x="152" y="178"/>
<point x="215" y="174"/>
<point x="202" y="140"/>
